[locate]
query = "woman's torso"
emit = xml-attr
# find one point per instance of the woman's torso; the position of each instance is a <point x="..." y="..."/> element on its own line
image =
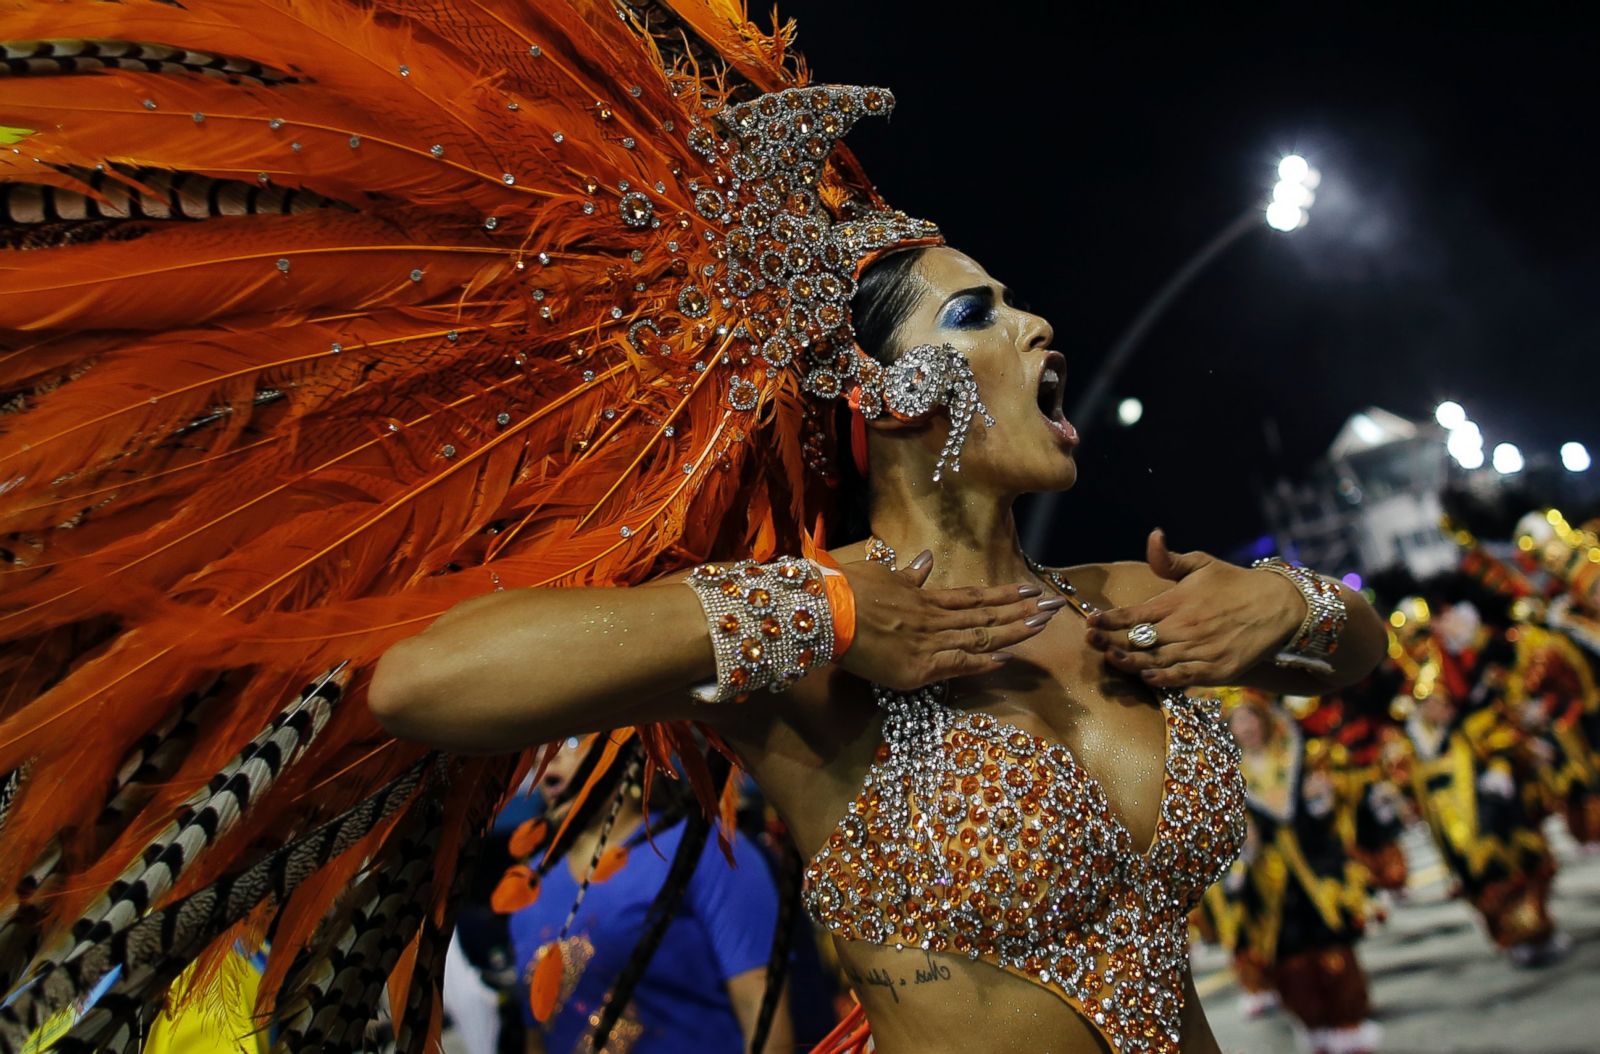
<point x="821" y="744"/>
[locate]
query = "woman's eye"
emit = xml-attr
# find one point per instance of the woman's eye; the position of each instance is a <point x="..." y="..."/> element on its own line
<point x="969" y="313"/>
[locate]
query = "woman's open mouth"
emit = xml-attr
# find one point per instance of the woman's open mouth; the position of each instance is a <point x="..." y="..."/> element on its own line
<point x="1052" y="391"/>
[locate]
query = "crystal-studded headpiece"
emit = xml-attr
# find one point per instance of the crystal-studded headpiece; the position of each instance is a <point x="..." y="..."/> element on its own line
<point x="789" y="238"/>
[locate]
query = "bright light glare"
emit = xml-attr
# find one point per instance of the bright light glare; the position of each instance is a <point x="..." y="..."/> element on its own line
<point x="1450" y="414"/>
<point x="1507" y="459"/>
<point x="1367" y="429"/>
<point x="1293" y="193"/>
<point x="1129" y="411"/>
<point x="1293" y="168"/>
<point x="1282" y="216"/>
<point x="1575" y="457"/>
<point x="1465" y="442"/>
<point x="1470" y="459"/>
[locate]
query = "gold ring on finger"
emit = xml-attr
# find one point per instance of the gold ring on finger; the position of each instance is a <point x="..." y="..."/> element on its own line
<point x="1142" y="636"/>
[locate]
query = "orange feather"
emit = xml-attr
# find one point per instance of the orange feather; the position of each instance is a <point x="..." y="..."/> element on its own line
<point x="374" y="359"/>
<point x="528" y="836"/>
<point x="545" y="986"/>
<point x="518" y="888"/>
<point x="612" y="860"/>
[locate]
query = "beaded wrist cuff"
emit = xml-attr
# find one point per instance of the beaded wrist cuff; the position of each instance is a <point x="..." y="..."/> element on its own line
<point x="1317" y="638"/>
<point x="770" y="624"/>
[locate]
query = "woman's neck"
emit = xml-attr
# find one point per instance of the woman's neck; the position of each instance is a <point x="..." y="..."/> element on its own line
<point x="973" y="537"/>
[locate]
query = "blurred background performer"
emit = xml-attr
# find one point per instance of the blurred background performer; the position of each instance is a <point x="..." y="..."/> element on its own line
<point x="1474" y="776"/>
<point x="664" y="945"/>
<point x="1303" y="898"/>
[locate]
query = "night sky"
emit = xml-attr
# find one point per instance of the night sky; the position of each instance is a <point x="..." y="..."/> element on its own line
<point x="1081" y="157"/>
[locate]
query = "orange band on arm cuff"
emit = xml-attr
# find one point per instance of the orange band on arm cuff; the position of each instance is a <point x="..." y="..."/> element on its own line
<point x="841" y="602"/>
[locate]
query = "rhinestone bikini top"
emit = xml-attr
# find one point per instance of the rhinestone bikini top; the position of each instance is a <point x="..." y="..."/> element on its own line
<point x="972" y="836"/>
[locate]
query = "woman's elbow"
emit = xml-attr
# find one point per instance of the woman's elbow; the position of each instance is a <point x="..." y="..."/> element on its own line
<point x="392" y="696"/>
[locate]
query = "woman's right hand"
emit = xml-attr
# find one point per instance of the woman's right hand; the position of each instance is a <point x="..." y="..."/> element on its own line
<point x="908" y="637"/>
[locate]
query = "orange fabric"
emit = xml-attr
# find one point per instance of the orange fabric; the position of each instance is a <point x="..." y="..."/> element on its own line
<point x="841" y="602"/>
<point x="848" y="1036"/>
<point x="1324" y="987"/>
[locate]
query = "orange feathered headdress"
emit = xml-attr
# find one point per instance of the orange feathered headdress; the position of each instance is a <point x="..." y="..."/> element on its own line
<point x="317" y="318"/>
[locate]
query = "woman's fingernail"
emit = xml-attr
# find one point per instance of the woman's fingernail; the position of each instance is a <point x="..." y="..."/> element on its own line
<point x="1119" y="655"/>
<point x="1002" y="656"/>
<point x="1028" y="591"/>
<point x="1051" y="603"/>
<point x="1148" y="675"/>
<point x="1039" y="619"/>
<point x="923" y="559"/>
<point x="1098" y="639"/>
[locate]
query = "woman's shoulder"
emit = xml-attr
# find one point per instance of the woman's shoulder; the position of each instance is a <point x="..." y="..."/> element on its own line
<point x="1118" y="583"/>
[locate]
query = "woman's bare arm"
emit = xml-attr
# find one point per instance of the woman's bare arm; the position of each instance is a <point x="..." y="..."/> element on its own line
<point x="524" y="666"/>
<point x="1197" y="1035"/>
<point x="745" y="992"/>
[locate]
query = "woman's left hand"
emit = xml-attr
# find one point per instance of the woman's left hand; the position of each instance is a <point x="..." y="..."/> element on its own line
<point x="1213" y="623"/>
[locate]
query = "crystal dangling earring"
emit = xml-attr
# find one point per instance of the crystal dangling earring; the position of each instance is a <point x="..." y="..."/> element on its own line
<point x="930" y="376"/>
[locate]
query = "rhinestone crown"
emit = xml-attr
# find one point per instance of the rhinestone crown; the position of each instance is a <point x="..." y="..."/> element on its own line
<point x="787" y="238"/>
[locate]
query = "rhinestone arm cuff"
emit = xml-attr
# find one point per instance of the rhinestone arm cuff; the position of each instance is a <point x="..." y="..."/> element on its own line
<point x="770" y="624"/>
<point x="1314" y="643"/>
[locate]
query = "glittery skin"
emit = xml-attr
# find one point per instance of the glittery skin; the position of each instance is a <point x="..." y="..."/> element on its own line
<point x="974" y="837"/>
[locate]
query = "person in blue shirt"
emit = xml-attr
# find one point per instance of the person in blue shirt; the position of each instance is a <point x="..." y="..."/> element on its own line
<point x="702" y="985"/>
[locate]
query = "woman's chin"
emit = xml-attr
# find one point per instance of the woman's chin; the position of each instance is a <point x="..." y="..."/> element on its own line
<point x="1054" y="479"/>
<point x="1063" y="476"/>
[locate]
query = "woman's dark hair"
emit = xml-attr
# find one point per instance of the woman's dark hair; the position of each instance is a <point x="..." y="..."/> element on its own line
<point x="885" y="295"/>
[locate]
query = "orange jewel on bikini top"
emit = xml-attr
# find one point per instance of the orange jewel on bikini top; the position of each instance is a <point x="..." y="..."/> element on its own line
<point x="1009" y="853"/>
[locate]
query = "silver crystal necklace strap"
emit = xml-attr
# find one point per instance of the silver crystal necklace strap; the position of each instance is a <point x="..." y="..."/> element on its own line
<point x="1066" y="588"/>
<point x="883" y="553"/>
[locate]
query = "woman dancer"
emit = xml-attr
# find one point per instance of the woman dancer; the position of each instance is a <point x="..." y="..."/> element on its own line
<point x="1055" y="712"/>
<point x="323" y="318"/>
